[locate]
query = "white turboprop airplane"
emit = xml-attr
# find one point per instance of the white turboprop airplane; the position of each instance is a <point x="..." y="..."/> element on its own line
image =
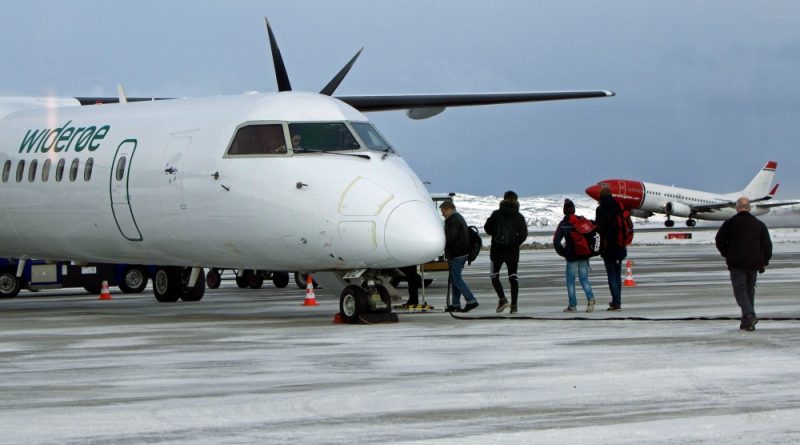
<point x="644" y="198"/>
<point x="286" y="181"/>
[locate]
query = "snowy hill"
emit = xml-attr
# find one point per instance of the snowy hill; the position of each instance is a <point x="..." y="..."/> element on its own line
<point x="544" y="212"/>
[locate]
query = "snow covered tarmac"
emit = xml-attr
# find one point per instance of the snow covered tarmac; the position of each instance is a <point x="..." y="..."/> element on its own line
<point x="245" y="366"/>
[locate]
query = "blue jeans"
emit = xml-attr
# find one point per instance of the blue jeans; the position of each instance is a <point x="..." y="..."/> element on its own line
<point x="614" y="272"/>
<point x="582" y="269"/>
<point x="456" y="265"/>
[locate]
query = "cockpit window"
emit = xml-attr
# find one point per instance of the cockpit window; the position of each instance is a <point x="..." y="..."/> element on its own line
<point x="322" y="136"/>
<point x="260" y="139"/>
<point x="370" y="136"/>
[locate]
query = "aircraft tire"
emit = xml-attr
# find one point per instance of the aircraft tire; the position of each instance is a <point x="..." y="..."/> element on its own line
<point x="134" y="280"/>
<point x="167" y="284"/>
<point x="300" y="279"/>
<point x="669" y="223"/>
<point x="255" y="280"/>
<point x="386" y="299"/>
<point x="213" y="279"/>
<point x="193" y="293"/>
<point x="352" y="303"/>
<point x="9" y="285"/>
<point x="280" y="279"/>
<point x="242" y="281"/>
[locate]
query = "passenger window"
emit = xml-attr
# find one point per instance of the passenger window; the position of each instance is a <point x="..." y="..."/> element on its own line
<point x="20" y="170"/>
<point x="46" y="170"/>
<point x="6" y="170"/>
<point x="323" y="136"/>
<point x="87" y="169"/>
<point x="73" y="169"/>
<point x="265" y="139"/>
<point x="32" y="170"/>
<point x="60" y="169"/>
<point x="121" y="168"/>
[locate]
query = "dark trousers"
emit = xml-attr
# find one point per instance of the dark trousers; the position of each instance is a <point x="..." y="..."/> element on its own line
<point x="512" y="278"/>
<point x="744" y="289"/>
<point x="614" y="272"/>
<point x="414" y="282"/>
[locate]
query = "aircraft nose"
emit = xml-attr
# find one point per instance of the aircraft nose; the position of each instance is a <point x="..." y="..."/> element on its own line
<point x="414" y="233"/>
<point x="593" y="191"/>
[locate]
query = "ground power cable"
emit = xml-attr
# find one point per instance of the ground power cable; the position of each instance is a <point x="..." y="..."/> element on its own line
<point x="524" y="317"/>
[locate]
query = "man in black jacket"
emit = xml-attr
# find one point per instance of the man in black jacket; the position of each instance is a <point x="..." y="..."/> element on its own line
<point x="613" y="253"/>
<point x="744" y="242"/>
<point x="456" y="250"/>
<point x="509" y="230"/>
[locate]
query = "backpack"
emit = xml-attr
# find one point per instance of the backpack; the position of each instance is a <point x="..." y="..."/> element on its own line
<point x="624" y="227"/>
<point x="585" y="242"/>
<point x="475" y="244"/>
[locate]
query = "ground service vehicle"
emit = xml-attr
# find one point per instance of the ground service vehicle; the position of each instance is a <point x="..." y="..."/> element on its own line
<point x="41" y="274"/>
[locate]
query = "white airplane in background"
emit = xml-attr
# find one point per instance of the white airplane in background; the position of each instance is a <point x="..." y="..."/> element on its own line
<point x="287" y="181"/>
<point x="644" y="198"/>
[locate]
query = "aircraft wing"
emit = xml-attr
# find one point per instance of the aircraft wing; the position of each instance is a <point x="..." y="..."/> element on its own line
<point x="421" y="106"/>
<point x="708" y="208"/>
<point x="770" y="205"/>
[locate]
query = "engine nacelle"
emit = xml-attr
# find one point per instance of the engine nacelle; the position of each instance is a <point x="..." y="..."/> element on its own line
<point x="639" y="213"/>
<point x="677" y="209"/>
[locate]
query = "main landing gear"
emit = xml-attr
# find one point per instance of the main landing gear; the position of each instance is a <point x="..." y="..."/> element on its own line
<point x="689" y="222"/>
<point x="171" y="283"/>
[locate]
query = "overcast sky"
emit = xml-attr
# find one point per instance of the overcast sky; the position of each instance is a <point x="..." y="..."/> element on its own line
<point x="707" y="91"/>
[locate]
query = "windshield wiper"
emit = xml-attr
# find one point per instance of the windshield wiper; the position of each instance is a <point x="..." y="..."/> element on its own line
<point x="308" y="150"/>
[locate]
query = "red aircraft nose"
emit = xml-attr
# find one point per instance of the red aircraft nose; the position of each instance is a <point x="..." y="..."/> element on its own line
<point x="593" y="191"/>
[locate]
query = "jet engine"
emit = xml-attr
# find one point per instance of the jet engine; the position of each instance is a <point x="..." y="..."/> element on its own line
<point x="677" y="209"/>
<point x="641" y="213"/>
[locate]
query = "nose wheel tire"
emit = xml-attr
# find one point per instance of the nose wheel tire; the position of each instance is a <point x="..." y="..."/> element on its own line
<point x="352" y="303"/>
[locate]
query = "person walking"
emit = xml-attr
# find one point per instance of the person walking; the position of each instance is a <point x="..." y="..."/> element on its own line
<point x="745" y="243"/>
<point x="612" y="253"/>
<point x="456" y="250"/>
<point x="508" y="230"/>
<point x="565" y="246"/>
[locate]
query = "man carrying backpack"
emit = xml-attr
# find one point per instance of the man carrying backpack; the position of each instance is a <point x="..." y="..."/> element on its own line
<point x="576" y="251"/>
<point x="613" y="251"/>
<point x="456" y="250"/>
<point x="509" y="230"/>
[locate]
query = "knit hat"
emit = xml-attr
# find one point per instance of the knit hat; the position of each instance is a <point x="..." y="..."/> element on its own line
<point x="511" y="196"/>
<point x="569" y="207"/>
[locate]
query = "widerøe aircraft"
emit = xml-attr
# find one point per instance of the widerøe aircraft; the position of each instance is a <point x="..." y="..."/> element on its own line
<point x="645" y="199"/>
<point x="292" y="181"/>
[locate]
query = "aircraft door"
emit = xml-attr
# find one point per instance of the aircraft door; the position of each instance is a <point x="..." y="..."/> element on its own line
<point x="622" y="188"/>
<point x="120" y="198"/>
<point x="171" y="191"/>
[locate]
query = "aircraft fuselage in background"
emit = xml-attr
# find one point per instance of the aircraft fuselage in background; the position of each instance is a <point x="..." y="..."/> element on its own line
<point x="645" y="199"/>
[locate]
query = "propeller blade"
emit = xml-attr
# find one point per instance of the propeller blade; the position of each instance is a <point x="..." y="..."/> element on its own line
<point x="280" y="69"/>
<point x="337" y="79"/>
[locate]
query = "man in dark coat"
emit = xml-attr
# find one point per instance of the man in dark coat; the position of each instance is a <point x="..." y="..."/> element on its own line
<point x="509" y="230"/>
<point x="744" y="242"/>
<point x="613" y="253"/>
<point x="456" y="250"/>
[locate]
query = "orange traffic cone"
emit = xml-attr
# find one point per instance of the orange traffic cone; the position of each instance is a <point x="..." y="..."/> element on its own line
<point x="311" y="299"/>
<point x="337" y="318"/>
<point x="104" y="293"/>
<point x="629" y="275"/>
